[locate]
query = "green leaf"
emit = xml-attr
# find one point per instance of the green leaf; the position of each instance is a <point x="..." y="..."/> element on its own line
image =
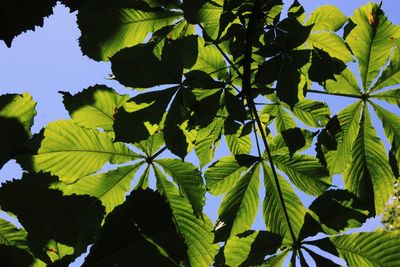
<point x="110" y="187"/>
<point x="365" y="249"/>
<point x="207" y="140"/>
<point x="273" y="210"/>
<point x="19" y="106"/>
<point x="94" y="107"/>
<point x="343" y="129"/>
<point x="371" y="37"/>
<point x="211" y="61"/>
<point x="369" y="173"/>
<point x="327" y="18"/>
<point x="188" y="179"/>
<point x="71" y="222"/>
<point x="72" y="152"/>
<point x="239" y="206"/>
<point x="391" y="126"/>
<point x="250" y="248"/>
<point x="195" y="231"/>
<point x="305" y="172"/>
<point x="141" y="116"/>
<point x="224" y="173"/>
<point x="238" y="137"/>
<point x="344" y="83"/>
<point x="333" y="212"/>
<point x="391" y="74"/>
<point x="276" y="260"/>
<point x="330" y="43"/>
<point x="312" y="113"/>
<point x="21" y="16"/>
<point x="391" y="96"/>
<point x="139" y="232"/>
<point x="12" y="236"/>
<point x="283" y="120"/>
<point x="109" y="27"/>
<point x="16" y="118"/>
<point x="151" y="145"/>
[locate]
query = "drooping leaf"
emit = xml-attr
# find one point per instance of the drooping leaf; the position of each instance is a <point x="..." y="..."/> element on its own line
<point x="369" y="173"/>
<point x="139" y="232"/>
<point x="364" y="249"/>
<point x="333" y="212"/>
<point x="108" y="27"/>
<point x="250" y="248"/>
<point x="188" y="179"/>
<point x="21" y="16"/>
<point x="239" y="206"/>
<point x="58" y="226"/>
<point x="371" y="37"/>
<point x="195" y="231"/>
<point x="273" y="210"/>
<point x="94" y="107"/>
<point x="72" y="152"/>
<point x="109" y="187"/>
<point x="16" y="118"/>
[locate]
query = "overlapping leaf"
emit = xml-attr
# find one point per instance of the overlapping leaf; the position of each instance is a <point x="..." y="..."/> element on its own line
<point x="195" y="231"/>
<point x="108" y="27"/>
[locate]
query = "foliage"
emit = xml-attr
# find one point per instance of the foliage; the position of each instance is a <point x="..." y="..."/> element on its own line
<point x="206" y="72"/>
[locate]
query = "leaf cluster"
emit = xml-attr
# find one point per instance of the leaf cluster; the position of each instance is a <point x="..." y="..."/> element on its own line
<point x="207" y="73"/>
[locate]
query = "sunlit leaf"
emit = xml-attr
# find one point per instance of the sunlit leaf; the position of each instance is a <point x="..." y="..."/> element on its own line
<point x="72" y="152"/>
<point x="195" y="231"/>
<point x="239" y="206"/>
<point x="391" y="96"/>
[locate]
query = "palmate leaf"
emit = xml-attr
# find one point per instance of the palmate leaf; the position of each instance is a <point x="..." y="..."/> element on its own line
<point x="364" y="249"/>
<point x="188" y="179"/>
<point x="109" y="187"/>
<point x="195" y="231"/>
<point x="139" y="232"/>
<point x="12" y="236"/>
<point x="371" y="40"/>
<point x="239" y="206"/>
<point x="369" y="172"/>
<point x="276" y="260"/>
<point x="72" y="152"/>
<point x="326" y="20"/>
<point x="283" y="120"/>
<point x="94" y="107"/>
<point x="16" y="118"/>
<point x="312" y="113"/>
<point x="391" y="126"/>
<point x="59" y="227"/>
<point x="344" y="83"/>
<point x="108" y="27"/>
<point x="248" y="248"/>
<point x="273" y="210"/>
<point x="391" y="96"/>
<point x="238" y="137"/>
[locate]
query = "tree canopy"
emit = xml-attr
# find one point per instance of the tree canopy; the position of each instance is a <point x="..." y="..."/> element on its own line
<point x="209" y="73"/>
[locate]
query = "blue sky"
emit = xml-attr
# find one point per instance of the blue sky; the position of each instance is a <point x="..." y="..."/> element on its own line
<point x="49" y="60"/>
